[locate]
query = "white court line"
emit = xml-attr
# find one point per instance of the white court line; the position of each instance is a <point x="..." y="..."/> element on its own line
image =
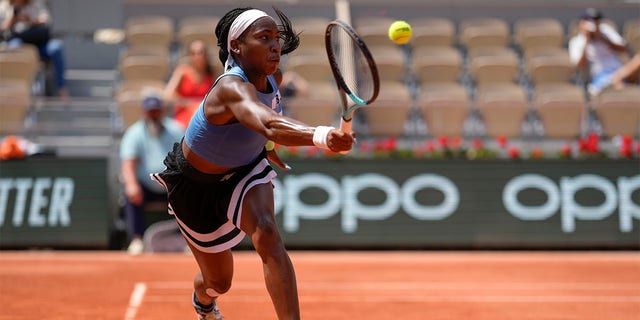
<point x="415" y="299"/>
<point x="396" y="288"/>
<point x="136" y="299"/>
<point x="415" y="285"/>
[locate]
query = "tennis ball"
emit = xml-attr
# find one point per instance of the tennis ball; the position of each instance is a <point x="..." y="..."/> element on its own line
<point x="400" y="32"/>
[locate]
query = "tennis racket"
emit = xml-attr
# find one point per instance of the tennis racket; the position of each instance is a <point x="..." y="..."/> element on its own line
<point x="353" y="68"/>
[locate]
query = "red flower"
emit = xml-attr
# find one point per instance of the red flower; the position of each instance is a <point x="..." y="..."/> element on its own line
<point x="430" y="146"/>
<point x="477" y="144"/>
<point x="626" y="147"/>
<point x="566" y="150"/>
<point x="312" y="151"/>
<point x="592" y="143"/>
<point x="583" y="145"/>
<point x="365" y="146"/>
<point x="536" y="153"/>
<point x="514" y="153"/>
<point x="502" y="141"/>
<point x="455" y="143"/>
<point x="626" y="152"/>
<point x="389" y="144"/>
<point x="443" y="141"/>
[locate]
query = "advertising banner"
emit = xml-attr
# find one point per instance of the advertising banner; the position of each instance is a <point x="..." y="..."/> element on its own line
<point x="460" y="204"/>
<point x="54" y="202"/>
<point x="348" y="203"/>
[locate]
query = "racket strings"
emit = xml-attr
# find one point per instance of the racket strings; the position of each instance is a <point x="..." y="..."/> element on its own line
<point x="353" y="64"/>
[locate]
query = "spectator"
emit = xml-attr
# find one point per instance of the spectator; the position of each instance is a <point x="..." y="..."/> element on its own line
<point x="143" y="144"/>
<point x="27" y="21"/>
<point x="190" y="82"/>
<point x="598" y="47"/>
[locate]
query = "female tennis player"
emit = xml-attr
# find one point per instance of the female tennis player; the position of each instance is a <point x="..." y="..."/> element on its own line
<point x="219" y="179"/>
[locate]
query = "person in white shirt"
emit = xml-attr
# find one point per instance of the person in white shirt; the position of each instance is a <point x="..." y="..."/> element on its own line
<point x="598" y="47"/>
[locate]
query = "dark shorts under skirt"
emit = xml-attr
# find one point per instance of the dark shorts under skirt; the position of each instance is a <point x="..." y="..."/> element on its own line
<point x="208" y="207"/>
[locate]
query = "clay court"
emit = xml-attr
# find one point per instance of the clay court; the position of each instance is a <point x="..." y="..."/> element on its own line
<point x="332" y="285"/>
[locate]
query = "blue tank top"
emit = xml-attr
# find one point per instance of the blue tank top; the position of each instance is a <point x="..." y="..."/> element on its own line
<point x="230" y="145"/>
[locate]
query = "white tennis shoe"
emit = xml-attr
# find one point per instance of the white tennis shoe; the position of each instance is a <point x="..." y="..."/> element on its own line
<point x="214" y="314"/>
<point x="209" y="313"/>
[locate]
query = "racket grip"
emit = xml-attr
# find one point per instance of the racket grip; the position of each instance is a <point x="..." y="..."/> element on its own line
<point x="345" y="126"/>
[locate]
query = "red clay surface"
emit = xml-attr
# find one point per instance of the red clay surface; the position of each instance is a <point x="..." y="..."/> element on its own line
<point x="332" y="285"/>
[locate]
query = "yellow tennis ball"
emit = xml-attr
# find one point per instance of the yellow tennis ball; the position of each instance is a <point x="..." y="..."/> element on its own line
<point x="400" y="32"/>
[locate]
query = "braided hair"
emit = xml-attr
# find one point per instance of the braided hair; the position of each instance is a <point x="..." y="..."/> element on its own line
<point x="289" y="37"/>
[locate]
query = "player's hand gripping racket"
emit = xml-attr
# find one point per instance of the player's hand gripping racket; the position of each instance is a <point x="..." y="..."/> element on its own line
<point x="353" y="68"/>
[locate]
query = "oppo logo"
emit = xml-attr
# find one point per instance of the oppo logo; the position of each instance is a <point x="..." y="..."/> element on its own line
<point x="342" y="196"/>
<point x="561" y="197"/>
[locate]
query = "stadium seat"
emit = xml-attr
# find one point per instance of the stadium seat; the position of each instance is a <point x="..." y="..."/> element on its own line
<point x="139" y="85"/>
<point x="631" y="33"/>
<point x="390" y="63"/>
<point x="549" y="65"/>
<point x="374" y="31"/>
<point x="619" y="111"/>
<point x="433" y="32"/>
<point x="538" y="32"/>
<point x="15" y="97"/>
<point x="311" y="31"/>
<point x="144" y="51"/>
<point x="312" y="67"/>
<point x="386" y="116"/>
<point x="197" y="28"/>
<point x="149" y="31"/>
<point x="19" y="64"/>
<point x="437" y="64"/>
<point x="319" y="108"/>
<point x="503" y="107"/>
<point x="493" y="64"/>
<point x="483" y="32"/>
<point x="144" y="67"/>
<point x="129" y="106"/>
<point x="444" y="108"/>
<point x="561" y="107"/>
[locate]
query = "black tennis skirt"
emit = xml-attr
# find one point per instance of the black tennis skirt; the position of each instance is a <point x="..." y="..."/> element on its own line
<point x="208" y="207"/>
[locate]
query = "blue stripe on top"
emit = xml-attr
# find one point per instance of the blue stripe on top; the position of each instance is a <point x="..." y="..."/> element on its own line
<point x="230" y="145"/>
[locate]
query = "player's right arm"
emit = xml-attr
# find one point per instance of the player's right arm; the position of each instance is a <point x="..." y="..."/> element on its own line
<point x="235" y="100"/>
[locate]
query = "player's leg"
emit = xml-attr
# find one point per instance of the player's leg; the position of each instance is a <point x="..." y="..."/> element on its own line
<point x="214" y="279"/>
<point x="258" y="222"/>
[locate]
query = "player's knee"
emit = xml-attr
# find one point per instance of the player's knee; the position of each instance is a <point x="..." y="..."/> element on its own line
<point x="211" y="288"/>
<point x="267" y="238"/>
<point x="215" y="289"/>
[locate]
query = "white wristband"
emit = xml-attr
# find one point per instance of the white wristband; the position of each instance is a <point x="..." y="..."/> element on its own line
<point x="320" y="136"/>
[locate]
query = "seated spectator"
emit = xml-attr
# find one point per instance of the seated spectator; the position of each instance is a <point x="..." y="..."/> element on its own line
<point x="27" y="21"/>
<point x="189" y="83"/>
<point x="598" y="47"/>
<point x="143" y="146"/>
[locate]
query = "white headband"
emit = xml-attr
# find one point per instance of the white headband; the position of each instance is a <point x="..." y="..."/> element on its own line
<point x="239" y="25"/>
